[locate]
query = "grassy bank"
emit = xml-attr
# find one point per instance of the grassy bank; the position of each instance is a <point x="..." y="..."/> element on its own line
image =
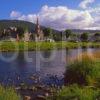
<point x="8" y="94"/>
<point x="82" y="79"/>
<point x="75" y="92"/>
<point x="31" y="46"/>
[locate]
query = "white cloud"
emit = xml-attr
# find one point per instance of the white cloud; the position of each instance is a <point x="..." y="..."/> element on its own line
<point x="84" y="3"/>
<point x="15" y="14"/>
<point x="61" y="17"/>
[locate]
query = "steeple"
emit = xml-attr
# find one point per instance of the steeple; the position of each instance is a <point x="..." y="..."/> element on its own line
<point x="38" y="31"/>
<point x="37" y="21"/>
<point x="37" y="26"/>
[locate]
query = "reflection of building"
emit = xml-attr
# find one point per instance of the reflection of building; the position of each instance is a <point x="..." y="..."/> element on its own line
<point x="39" y="36"/>
<point x="17" y="38"/>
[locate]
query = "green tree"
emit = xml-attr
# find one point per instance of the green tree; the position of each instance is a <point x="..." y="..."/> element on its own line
<point x="97" y="34"/>
<point x="68" y="33"/>
<point x="20" y="32"/>
<point x="84" y="37"/>
<point x="47" y="32"/>
<point x="97" y="37"/>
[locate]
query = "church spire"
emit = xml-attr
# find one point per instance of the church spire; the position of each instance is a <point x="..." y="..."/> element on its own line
<point x="39" y="32"/>
<point x="37" y="26"/>
<point x="37" y="21"/>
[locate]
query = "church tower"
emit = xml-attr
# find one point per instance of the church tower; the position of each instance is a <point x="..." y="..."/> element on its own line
<point x="38" y="30"/>
<point x="39" y="33"/>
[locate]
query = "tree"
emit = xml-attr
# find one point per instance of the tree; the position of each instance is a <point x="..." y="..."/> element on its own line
<point x="20" y="32"/>
<point x="97" y="34"/>
<point x="47" y="32"/>
<point x="68" y="33"/>
<point x="84" y="37"/>
<point x="97" y="37"/>
<point x="57" y="36"/>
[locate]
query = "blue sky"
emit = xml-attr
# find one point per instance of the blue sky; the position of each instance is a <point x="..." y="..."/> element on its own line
<point x="32" y="7"/>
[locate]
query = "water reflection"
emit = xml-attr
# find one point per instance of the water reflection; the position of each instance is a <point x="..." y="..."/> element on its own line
<point x="9" y="72"/>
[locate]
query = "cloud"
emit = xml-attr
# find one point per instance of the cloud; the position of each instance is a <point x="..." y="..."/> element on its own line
<point x="15" y="14"/>
<point x="61" y="18"/>
<point x="84" y="4"/>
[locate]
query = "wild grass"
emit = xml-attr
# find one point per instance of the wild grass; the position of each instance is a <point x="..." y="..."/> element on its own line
<point x="8" y="94"/>
<point x="74" y="92"/>
<point x="95" y="56"/>
<point x="85" y="70"/>
<point x="82" y="79"/>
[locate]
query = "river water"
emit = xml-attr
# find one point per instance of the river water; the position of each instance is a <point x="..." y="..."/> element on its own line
<point x="42" y="64"/>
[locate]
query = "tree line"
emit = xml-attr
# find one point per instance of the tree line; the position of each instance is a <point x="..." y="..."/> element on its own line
<point x="49" y="33"/>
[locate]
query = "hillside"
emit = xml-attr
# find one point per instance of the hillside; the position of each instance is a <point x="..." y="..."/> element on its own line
<point x="19" y="23"/>
<point x="82" y="31"/>
<point x="16" y="23"/>
<point x="31" y="27"/>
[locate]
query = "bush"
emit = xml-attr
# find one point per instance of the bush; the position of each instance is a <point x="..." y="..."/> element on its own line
<point x="8" y="94"/>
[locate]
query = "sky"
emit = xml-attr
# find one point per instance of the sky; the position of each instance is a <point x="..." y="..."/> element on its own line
<point x="57" y="14"/>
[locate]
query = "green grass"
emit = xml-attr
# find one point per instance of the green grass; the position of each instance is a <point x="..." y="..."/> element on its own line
<point x="8" y="94"/>
<point x="83" y="71"/>
<point x="82" y="80"/>
<point x="21" y="46"/>
<point x="74" y="92"/>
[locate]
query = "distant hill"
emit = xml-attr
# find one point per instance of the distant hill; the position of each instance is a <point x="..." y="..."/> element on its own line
<point x="19" y="23"/>
<point x="81" y="31"/>
<point x="31" y="27"/>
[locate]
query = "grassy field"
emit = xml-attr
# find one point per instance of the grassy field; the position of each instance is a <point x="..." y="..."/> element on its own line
<point x="31" y="46"/>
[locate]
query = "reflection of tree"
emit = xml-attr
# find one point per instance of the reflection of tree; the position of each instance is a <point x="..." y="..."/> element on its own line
<point x="20" y="61"/>
<point x="46" y="54"/>
<point x="68" y="55"/>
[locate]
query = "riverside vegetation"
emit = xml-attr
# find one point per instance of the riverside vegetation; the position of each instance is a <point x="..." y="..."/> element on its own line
<point x="31" y="46"/>
<point x="82" y="79"/>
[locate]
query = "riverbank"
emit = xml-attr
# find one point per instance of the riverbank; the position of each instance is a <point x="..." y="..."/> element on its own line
<point x="32" y="46"/>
